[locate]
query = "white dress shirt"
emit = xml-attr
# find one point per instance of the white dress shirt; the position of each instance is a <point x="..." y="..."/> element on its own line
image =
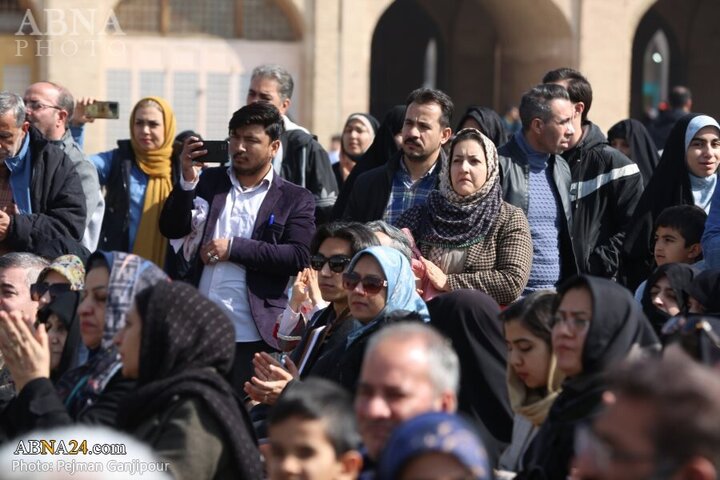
<point x="225" y="283"/>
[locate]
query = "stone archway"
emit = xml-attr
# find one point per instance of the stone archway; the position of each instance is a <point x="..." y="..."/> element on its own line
<point x="694" y="44"/>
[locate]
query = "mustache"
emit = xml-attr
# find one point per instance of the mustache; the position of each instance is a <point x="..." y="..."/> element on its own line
<point x="411" y="141"/>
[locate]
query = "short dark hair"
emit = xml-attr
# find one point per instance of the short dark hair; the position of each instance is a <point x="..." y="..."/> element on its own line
<point x="685" y="397"/>
<point x="320" y="399"/>
<point x="358" y="235"/>
<point x="535" y="103"/>
<point x="679" y="97"/>
<point x="258" y="113"/>
<point x="577" y="86"/>
<point x="534" y="313"/>
<point x="423" y="96"/>
<point x="688" y="220"/>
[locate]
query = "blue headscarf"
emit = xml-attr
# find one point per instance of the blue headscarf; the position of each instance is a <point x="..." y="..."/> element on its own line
<point x="401" y="294"/>
<point x="429" y="433"/>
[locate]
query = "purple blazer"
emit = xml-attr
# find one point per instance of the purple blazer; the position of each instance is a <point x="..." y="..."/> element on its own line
<point x="276" y="251"/>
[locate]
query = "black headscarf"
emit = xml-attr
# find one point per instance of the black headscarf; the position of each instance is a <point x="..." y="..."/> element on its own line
<point x="371" y="121"/>
<point x="642" y="147"/>
<point x="187" y="345"/>
<point x="617" y="329"/>
<point x="669" y="186"/>
<point x="469" y="318"/>
<point x="380" y="151"/>
<point x="491" y="125"/>
<point x="705" y="288"/>
<point x="64" y="306"/>
<point x="680" y="276"/>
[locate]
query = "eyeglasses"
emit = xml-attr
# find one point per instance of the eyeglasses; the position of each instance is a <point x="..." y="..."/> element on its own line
<point x="37" y="290"/>
<point x="576" y="325"/>
<point x="35" y="105"/>
<point x="371" y="284"/>
<point x="337" y="263"/>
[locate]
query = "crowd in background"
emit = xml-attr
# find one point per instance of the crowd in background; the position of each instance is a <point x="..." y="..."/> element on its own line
<point x="521" y="296"/>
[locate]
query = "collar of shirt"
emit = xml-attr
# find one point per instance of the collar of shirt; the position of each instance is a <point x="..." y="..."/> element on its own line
<point x="405" y="173"/>
<point x="265" y="182"/>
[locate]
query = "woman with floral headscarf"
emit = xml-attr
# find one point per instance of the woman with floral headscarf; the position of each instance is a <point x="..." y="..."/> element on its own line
<point x="139" y="176"/>
<point x="90" y="393"/>
<point x="469" y="237"/>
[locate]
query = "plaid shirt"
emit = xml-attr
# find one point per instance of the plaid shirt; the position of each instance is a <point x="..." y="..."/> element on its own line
<point x="405" y="193"/>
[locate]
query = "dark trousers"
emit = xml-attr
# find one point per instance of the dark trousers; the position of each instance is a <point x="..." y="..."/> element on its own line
<point x="242" y="368"/>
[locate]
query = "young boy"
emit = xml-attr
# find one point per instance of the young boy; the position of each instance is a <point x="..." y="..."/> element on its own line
<point x="678" y="231"/>
<point x="312" y="434"/>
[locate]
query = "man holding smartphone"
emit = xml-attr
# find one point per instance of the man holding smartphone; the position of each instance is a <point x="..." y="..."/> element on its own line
<point x="257" y="231"/>
<point x="49" y="108"/>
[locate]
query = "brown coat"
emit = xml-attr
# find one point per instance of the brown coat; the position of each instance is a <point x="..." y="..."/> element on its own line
<point x="499" y="265"/>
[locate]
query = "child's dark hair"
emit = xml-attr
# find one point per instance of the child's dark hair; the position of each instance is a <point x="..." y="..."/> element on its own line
<point x="320" y="399"/>
<point x="534" y="313"/>
<point x="688" y="220"/>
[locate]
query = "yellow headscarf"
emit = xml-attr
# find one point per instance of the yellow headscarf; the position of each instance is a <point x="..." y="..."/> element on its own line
<point x="157" y="165"/>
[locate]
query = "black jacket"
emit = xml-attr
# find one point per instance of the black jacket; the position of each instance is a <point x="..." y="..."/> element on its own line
<point x="56" y="198"/>
<point x="307" y="164"/>
<point x="661" y="127"/>
<point x="115" y="233"/>
<point x="371" y="192"/>
<point x="514" y="176"/>
<point x="606" y="187"/>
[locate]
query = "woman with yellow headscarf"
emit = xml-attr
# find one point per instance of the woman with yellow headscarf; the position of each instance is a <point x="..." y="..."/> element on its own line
<point x="138" y="176"/>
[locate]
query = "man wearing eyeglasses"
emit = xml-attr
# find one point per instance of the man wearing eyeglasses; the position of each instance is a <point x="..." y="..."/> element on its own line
<point x="662" y="421"/>
<point x="49" y="108"/>
<point x="41" y="197"/>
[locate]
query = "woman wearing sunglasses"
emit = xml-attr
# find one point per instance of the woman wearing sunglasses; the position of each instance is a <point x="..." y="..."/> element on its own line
<point x="596" y="323"/>
<point x="66" y="273"/>
<point x="332" y="248"/>
<point x="469" y="237"/>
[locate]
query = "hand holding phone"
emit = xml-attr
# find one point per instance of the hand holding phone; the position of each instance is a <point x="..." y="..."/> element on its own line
<point x="217" y="152"/>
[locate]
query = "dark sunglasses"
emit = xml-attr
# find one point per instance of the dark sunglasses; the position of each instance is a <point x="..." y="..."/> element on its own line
<point x="337" y="263"/>
<point x="371" y="284"/>
<point x="37" y="290"/>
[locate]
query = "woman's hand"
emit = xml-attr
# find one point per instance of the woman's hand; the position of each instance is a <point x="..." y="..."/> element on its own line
<point x="436" y="276"/>
<point x="191" y="150"/>
<point x="270" y="378"/>
<point x="26" y="352"/>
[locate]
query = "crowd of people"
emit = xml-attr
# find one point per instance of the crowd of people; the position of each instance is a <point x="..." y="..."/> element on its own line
<point x="520" y="297"/>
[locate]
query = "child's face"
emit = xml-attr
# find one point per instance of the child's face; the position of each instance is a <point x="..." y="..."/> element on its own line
<point x="300" y="449"/>
<point x="670" y="247"/>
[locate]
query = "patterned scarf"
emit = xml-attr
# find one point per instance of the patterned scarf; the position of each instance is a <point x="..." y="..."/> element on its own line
<point x="450" y="220"/>
<point x="156" y="164"/>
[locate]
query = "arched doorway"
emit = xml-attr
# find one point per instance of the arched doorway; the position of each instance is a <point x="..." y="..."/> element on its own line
<point x="407" y="52"/>
<point x="687" y="33"/>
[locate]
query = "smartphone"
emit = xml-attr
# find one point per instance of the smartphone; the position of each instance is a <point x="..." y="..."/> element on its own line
<point x="103" y="110"/>
<point x="217" y="152"/>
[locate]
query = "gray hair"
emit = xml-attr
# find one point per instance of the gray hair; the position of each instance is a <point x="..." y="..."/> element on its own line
<point x="12" y="102"/>
<point x="27" y="261"/>
<point x="280" y="75"/>
<point x="535" y="102"/>
<point x="400" y="241"/>
<point x="443" y="362"/>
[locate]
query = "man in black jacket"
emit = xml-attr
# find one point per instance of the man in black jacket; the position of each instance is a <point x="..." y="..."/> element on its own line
<point x="606" y="185"/>
<point x="300" y="158"/>
<point x="41" y="196"/>
<point x="385" y="192"/>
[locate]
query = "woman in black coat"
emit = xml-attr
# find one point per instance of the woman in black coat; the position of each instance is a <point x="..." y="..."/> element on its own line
<point x="597" y="323"/>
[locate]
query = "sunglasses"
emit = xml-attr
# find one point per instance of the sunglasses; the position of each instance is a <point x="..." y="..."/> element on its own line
<point x="371" y="284"/>
<point x="337" y="263"/>
<point x="37" y="290"/>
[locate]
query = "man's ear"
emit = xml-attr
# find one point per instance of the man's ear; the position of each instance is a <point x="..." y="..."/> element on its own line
<point x="448" y="402"/>
<point x="274" y="146"/>
<point x="25" y="126"/>
<point x="350" y="464"/>
<point x="536" y="125"/>
<point x="579" y="108"/>
<point x="62" y="116"/>
<point x="445" y="135"/>
<point x="285" y="106"/>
